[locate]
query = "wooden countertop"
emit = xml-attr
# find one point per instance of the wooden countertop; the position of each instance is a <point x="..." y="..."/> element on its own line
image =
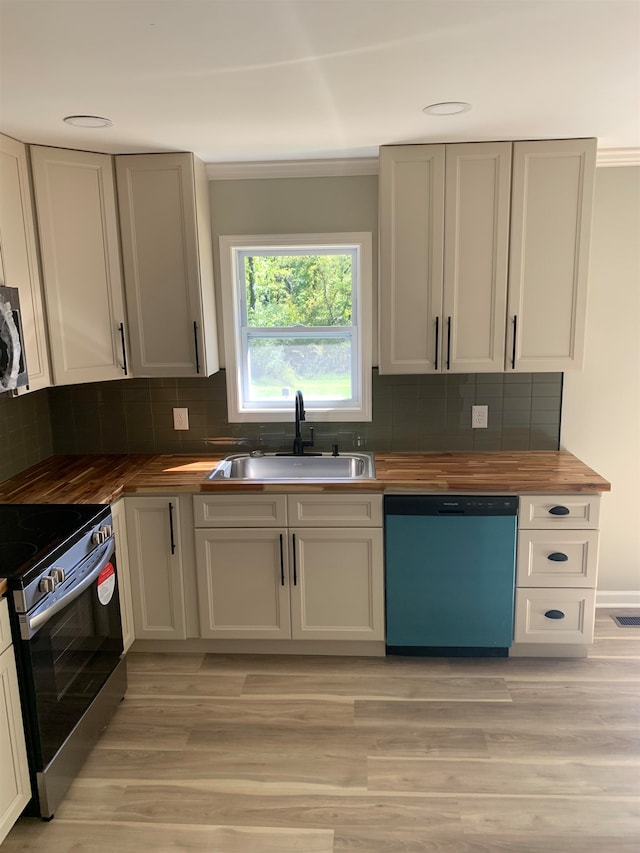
<point x="104" y="478"/>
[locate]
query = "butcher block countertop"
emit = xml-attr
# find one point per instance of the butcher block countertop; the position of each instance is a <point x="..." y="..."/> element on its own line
<point x="104" y="478"/>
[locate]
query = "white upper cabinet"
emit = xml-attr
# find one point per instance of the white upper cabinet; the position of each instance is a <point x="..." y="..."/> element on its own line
<point x="476" y="252"/>
<point x="444" y="230"/>
<point x="553" y="183"/>
<point x="77" y="223"/>
<point x="411" y="257"/>
<point x="482" y="270"/>
<point x="168" y="264"/>
<point x="18" y="257"/>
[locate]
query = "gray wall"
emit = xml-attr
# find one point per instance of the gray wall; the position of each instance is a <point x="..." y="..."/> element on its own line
<point x="409" y="413"/>
<point x="25" y="432"/>
<point x="601" y="416"/>
<point x="295" y="206"/>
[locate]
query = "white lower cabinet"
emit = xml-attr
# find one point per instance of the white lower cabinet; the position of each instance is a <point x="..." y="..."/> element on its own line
<point x="556" y="575"/>
<point x="554" y="616"/>
<point x="337" y="591"/>
<point x="155" y="539"/>
<point x="243" y="583"/>
<point x="124" y="573"/>
<point x="15" y="790"/>
<point x="317" y="582"/>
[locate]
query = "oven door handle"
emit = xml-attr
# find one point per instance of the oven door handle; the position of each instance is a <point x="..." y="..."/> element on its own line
<point x="34" y="624"/>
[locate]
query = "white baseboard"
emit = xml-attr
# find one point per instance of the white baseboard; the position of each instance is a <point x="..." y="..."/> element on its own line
<point x="618" y="598"/>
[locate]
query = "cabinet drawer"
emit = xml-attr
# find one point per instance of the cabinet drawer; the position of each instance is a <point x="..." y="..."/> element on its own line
<point x="240" y="510"/>
<point x="573" y="609"/>
<point x="557" y="558"/>
<point x="5" y="628"/>
<point x="335" y="510"/>
<point x="549" y="511"/>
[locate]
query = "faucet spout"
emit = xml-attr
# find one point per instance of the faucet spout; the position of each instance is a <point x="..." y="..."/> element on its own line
<point x="300" y="412"/>
<point x="298" y="443"/>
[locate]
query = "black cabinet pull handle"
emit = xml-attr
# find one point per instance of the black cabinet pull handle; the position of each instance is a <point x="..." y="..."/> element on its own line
<point x="559" y="510"/>
<point x="173" y="543"/>
<point x="281" y="561"/>
<point x="448" y="342"/>
<point x="558" y="557"/>
<point x="513" y="350"/>
<point x="295" y="562"/>
<point x="554" y="614"/>
<point x="124" y="351"/>
<point x="435" y="361"/>
<point x="195" y="343"/>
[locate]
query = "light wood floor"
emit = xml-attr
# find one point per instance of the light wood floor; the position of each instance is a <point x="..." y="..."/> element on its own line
<point x="238" y="754"/>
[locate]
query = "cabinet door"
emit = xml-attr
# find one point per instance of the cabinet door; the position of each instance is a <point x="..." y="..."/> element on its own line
<point x="155" y="561"/>
<point x="476" y="247"/>
<point x="243" y="583"/>
<point x="15" y="790"/>
<point x="411" y="257"/>
<point x="337" y="584"/>
<point x="18" y="257"/>
<point x="168" y="265"/>
<point x="75" y="201"/>
<point x="551" y="206"/>
<point x="124" y="573"/>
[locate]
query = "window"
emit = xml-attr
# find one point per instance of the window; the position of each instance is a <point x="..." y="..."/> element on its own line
<point x="297" y="315"/>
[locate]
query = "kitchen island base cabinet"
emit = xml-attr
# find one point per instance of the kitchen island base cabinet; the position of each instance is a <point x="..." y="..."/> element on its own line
<point x="316" y="583"/>
<point x="15" y="789"/>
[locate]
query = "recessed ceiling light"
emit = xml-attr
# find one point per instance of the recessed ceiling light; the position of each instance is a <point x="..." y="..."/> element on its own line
<point x="88" y="121"/>
<point x="447" y="108"/>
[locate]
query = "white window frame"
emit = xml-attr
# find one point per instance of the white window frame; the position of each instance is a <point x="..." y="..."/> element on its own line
<point x="235" y="335"/>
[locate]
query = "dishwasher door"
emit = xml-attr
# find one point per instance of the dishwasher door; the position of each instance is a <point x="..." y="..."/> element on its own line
<point x="450" y="567"/>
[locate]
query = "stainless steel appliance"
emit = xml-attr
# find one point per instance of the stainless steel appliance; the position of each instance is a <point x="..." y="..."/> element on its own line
<point x="61" y="568"/>
<point x="13" y="363"/>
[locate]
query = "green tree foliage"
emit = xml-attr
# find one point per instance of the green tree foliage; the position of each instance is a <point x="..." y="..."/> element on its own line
<point x="307" y="290"/>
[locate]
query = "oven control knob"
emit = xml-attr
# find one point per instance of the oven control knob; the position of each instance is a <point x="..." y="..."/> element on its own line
<point x="98" y="537"/>
<point x="47" y="584"/>
<point x="57" y="575"/>
<point x="107" y="530"/>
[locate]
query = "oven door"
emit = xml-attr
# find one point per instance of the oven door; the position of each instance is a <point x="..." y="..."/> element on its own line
<point x="69" y="658"/>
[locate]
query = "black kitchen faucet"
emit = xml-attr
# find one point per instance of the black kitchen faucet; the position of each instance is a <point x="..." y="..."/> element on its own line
<point x="298" y="443"/>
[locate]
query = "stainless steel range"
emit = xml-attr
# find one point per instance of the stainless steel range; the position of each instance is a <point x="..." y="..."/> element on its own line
<point x="61" y="568"/>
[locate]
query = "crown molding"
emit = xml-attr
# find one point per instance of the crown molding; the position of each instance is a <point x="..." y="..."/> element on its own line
<point x="341" y="167"/>
<point x="293" y="169"/>
<point x="618" y="157"/>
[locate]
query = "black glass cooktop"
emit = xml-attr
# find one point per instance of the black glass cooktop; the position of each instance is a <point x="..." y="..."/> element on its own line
<point x="29" y="533"/>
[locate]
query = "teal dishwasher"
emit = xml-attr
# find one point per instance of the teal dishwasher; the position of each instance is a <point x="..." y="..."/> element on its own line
<point x="449" y="574"/>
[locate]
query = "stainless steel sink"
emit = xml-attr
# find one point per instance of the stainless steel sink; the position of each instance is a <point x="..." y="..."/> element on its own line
<point x="272" y="466"/>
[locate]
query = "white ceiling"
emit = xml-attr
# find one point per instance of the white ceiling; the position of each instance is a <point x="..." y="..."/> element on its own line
<point x="265" y="80"/>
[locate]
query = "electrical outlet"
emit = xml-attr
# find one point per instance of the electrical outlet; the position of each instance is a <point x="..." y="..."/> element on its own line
<point x="181" y="418"/>
<point x="479" y="417"/>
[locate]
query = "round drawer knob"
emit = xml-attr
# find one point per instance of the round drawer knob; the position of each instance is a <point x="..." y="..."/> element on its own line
<point x="554" y="614"/>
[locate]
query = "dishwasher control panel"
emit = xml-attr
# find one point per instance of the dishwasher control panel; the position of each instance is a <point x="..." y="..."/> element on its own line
<point x="450" y="505"/>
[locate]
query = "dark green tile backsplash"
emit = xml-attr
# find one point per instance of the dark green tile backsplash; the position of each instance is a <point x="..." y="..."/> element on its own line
<point x="25" y="431"/>
<point x="409" y="413"/>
